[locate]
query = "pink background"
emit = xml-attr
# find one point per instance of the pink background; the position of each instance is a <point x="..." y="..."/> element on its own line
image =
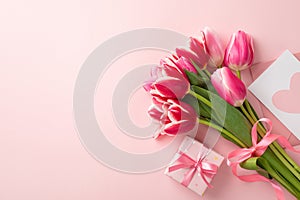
<point x="42" y="47"/>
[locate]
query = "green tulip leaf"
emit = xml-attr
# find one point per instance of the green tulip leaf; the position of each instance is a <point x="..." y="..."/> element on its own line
<point x="252" y="164"/>
<point x="227" y="116"/>
<point x="194" y="78"/>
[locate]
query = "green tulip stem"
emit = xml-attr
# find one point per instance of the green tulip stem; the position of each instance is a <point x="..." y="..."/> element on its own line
<point x="280" y="179"/>
<point x="238" y="74"/>
<point x="261" y="133"/>
<point x="276" y="147"/>
<point x="207" y="72"/>
<point x="222" y="130"/>
<point x="282" y="158"/>
<point x="201" y="98"/>
<point x="247" y="114"/>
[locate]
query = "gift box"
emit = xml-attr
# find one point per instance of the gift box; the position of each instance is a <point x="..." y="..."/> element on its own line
<point x="194" y="165"/>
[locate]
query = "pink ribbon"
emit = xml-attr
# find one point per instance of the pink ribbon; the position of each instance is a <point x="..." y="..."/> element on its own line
<point x="204" y="169"/>
<point x="240" y="155"/>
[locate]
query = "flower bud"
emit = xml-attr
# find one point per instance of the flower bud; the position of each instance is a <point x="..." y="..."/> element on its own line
<point x="229" y="86"/>
<point x="239" y="52"/>
<point x="213" y="47"/>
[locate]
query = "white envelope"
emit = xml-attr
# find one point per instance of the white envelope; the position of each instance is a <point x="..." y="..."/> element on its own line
<point x="278" y="88"/>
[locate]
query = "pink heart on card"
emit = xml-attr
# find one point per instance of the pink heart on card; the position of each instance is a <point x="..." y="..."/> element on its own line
<point x="289" y="100"/>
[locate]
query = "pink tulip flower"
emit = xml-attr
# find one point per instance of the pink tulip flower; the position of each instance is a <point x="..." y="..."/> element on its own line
<point x="213" y="47"/>
<point x="170" y="87"/>
<point x="196" y="53"/>
<point x="174" y="116"/>
<point x="229" y="86"/>
<point x="239" y="52"/>
<point x="171" y="66"/>
<point x="169" y="79"/>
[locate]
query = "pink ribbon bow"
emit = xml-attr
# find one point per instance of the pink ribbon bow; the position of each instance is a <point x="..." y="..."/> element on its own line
<point x="240" y="155"/>
<point x="205" y="169"/>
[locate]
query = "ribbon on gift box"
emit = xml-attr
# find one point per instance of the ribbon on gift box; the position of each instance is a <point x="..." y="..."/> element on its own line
<point x="240" y="155"/>
<point x="200" y="166"/>
<point x="205" y="169"/>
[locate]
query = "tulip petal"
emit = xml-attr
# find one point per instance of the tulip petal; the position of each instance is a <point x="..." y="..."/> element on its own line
<point x="229" y="86"/>
<point x="184" y="64"/>
<point x="171" y="128"/>
<point x="236" y="85"/>
<point x="190" y="56"/>
<point x="213" y="46"/>
<point x="169" y="87"/>
<point x="158" y="100"/>
<point x="147" y="85"/>
<point x="199" y="49"/>
<point x="179" y="127"/>
<point x="239" y="52"/>
<point x="155" y="112"/>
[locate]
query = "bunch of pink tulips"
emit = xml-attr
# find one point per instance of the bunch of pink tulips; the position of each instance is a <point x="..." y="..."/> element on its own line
<point x="210" y="73"/>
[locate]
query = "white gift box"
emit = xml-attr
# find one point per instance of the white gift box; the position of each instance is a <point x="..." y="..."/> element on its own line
<point x="190" y="151"/>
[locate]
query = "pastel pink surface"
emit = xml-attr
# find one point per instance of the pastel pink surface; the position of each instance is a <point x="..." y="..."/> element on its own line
<point x="43" y="45"/>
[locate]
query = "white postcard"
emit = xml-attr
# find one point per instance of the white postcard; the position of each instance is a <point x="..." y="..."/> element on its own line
<point x="278" y="88"/>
